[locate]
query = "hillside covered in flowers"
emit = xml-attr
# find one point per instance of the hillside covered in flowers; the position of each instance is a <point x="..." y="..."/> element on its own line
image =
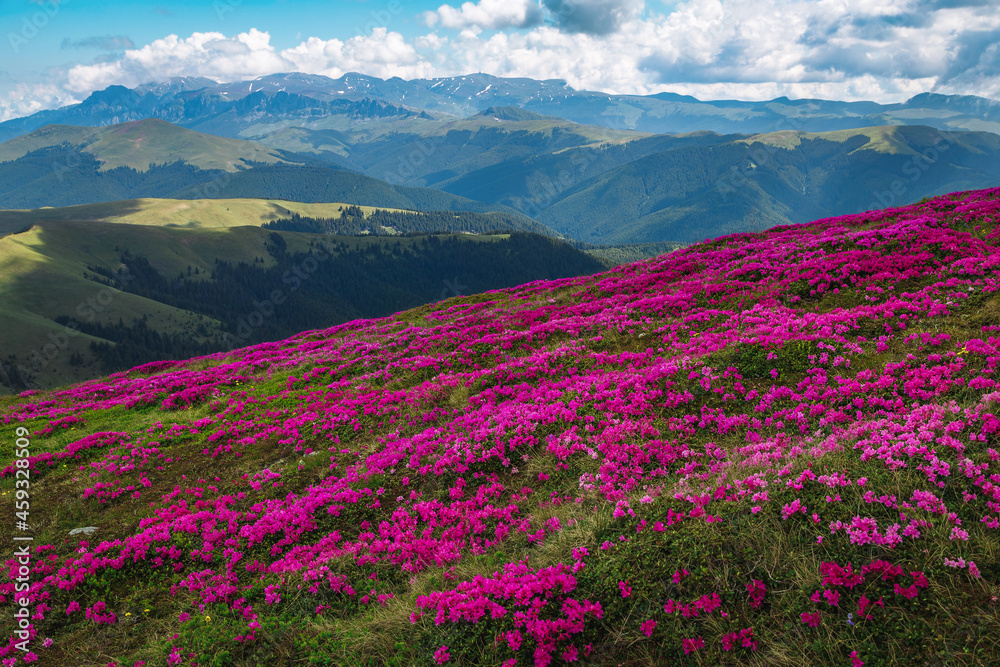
<point x="767" y="449"/>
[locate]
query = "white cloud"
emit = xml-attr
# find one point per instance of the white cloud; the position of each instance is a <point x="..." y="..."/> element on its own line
<point x="383" y="54"/>
<point x="487" y="15"/>
<point x="25" y="100"/>
<point x="743" y="49"/>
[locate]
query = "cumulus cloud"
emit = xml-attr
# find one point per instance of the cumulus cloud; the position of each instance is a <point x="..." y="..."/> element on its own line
<point x="106" y="43"/>
<point x="487" y="15"/>
<point x="25" y="100"/>
<point x="383" y="54"/>
<point x="208" y="54"/>
<point x="594" y="17"/>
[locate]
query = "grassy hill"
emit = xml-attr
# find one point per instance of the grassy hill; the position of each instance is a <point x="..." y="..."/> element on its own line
<point x="139" y="144"/>
<point x="425" y="151"/>
<point x="150" y="279"/>
<point x="58" y="176"/>
<point x="770" y="449"/>
<point x="199" y="213"/>
<point x="689" y="193"/>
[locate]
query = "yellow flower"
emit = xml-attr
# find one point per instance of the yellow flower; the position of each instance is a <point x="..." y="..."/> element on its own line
<point x="208" y="619"/>
<point x="128" y="613"/>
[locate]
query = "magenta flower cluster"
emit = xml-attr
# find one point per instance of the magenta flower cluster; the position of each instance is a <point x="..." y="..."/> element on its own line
<point x="620" y="370"/>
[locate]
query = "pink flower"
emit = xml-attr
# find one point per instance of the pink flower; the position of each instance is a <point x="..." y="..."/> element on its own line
<point x="756" y="590"/>
<point x="855" y="660"/>
<point x="625" y="589"/>
<point x="441" y="655"/>
<point x="811" y="619"/>
<point x="692" y="645"/>
<point x="570" y="654"/>
<point x="647" y="627"/>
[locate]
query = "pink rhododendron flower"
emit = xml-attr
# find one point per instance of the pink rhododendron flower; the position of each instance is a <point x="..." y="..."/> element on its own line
<point x="811" y="619"/>
<point x="441" y="655"/>
<point x="692" y="645"/>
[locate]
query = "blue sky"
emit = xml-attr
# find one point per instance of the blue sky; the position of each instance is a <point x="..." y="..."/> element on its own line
<point x="55" y="52"/>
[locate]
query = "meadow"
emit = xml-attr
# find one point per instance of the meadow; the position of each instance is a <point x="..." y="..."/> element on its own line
<point x="765" y="449"/>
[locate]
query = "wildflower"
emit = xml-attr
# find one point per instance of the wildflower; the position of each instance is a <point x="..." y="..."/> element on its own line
<point x="755" y="591"/>
<point x="692" y="645"/>
<point x="811" y="619"/>
<point x="647" y="627"/>
<point x="441" y="655"/>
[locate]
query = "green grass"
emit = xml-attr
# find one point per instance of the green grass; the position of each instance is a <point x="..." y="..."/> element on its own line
<point x="186" y="213"/>
<point x="141" y="143"/>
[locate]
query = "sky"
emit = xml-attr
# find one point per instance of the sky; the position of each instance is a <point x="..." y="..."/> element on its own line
<point x="56" y="52"/>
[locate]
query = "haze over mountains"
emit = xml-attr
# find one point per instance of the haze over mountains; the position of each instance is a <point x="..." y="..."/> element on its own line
<point x="231" y="108"/>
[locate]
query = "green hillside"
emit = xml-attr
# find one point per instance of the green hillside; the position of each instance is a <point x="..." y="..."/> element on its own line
<point x="692" y="193"/>
<point x="144" y="291"/>
<point x="193" y="213"/>
<point x="143" y="143"/>
<point x="427" y="151"/>
<point x="59" y="177"/>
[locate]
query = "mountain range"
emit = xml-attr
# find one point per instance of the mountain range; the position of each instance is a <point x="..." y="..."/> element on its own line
<point x="302" y="100"/>
<point x="553" y="176"/>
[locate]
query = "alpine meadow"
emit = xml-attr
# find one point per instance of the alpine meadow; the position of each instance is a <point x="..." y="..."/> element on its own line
<point x="500" y="333"/>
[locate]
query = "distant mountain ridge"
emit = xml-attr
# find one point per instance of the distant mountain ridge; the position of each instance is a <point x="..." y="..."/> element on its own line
<point x="228" y="108"/>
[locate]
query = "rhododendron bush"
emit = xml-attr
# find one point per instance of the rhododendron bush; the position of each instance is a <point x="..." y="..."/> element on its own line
<point x="777" y="448"/>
